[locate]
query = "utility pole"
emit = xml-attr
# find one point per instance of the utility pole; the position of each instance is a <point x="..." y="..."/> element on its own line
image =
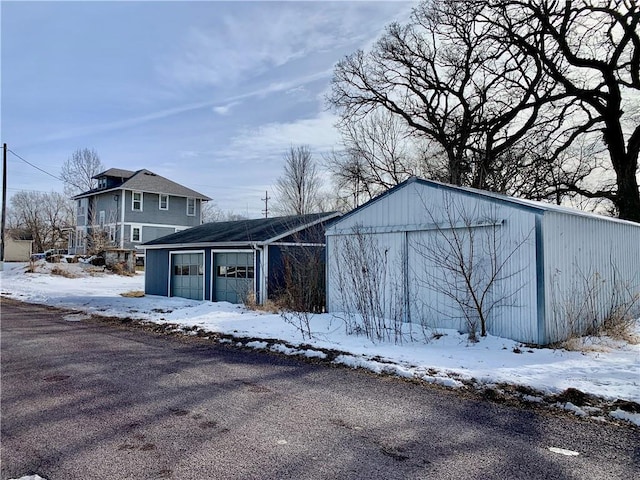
<point x="266" y="204"/>
<point x="4" y="203"/>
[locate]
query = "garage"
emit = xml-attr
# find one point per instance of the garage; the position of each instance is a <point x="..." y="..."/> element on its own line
<point x="234" y="276"/>
<point x="187" y="275"/>
<point x="234" y="261"/>
<point x="448" y="257"/>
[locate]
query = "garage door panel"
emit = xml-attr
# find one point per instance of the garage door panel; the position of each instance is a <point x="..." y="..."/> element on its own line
<point x="234" y="278"/>
<point x="427" y="279"/>
<point x="187" y="279"/>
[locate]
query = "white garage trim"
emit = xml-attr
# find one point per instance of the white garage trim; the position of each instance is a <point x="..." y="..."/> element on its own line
<point x="178" y="252"/>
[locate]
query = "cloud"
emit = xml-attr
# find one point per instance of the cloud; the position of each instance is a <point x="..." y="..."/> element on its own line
<point x="243" y="43"/>
<point x="271" y="141"/>
<point x="224" y="109"/>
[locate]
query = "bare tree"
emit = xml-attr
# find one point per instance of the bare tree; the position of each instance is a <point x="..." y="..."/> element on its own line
<point x="377" y="153"/>
<point x="46" y="216"/>
<point x="507" y="86"/>
<point x="212" y="213"/>
<point x="78" y="171"/>
<point x="591" y="51"/>
<point x="298" y="189"/>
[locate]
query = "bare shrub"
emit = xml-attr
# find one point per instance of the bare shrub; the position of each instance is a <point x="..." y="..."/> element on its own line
<point x="120" y="268"/>
<point x="466" y="262"/>
<point x="594" y="307"/>
<point x="372" y="300"/>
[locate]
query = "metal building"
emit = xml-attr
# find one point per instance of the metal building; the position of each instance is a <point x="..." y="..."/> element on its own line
<point x="444" y="256"/>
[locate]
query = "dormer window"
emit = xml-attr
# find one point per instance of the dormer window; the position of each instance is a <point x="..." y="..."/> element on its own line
<point x="102" y="182"/>
<point x="164" y="202"/>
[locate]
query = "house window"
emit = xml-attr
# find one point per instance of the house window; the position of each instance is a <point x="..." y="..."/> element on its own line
<point x="79" y="238"/>
<point x="136" y="201"/>
<point x="136" y="234"/>
<point x="102" y="183"/>
<point x="164" y="202"/>
<point x="191" y="207"/>
<point x="112" y="233"/>
<point x="101" y="217"/>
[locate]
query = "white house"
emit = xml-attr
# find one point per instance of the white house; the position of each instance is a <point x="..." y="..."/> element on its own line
<point x="453" y="257"/>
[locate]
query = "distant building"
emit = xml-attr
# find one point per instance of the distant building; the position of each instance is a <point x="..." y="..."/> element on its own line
<point x="18" y="246"/>
<point x="130" y="208"/>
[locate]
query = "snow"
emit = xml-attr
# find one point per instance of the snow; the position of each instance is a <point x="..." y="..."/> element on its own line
<point x="605" y="368"/>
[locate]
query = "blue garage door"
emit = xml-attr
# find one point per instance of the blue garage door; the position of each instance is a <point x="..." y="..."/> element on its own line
<point x="187" y="275"/>
<point x="233" y="277"/>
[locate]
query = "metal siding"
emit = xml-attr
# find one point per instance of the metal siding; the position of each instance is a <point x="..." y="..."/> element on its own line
<point x="156" y="272"/>
<point x="408" y="206"/>
<point x="392" y="296"/>
<point x="586" y="247"/>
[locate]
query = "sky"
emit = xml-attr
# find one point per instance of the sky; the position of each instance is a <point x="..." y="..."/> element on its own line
<point x="208" y="94"/>
<point x="601" y="366"/>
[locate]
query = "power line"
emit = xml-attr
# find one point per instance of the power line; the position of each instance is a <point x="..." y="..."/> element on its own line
<point x="34" y="166"/>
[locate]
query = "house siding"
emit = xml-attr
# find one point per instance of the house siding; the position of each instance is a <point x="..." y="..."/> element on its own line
<point x="151" y="213"/>
<point x="157" y="261"/>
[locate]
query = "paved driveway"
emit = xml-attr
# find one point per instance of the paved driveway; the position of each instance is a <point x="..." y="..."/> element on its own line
<point x="87" y="400"/>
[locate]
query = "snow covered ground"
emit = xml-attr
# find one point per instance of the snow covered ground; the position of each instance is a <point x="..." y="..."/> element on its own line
<point x="603" y="367"/>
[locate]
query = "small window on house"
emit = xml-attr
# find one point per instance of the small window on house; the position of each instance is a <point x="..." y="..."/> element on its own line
<point x="102" y="183"/>
<point x="136" y="201"/>
<point x="101" y="218"/>
<point x="191" y="207"/>
<point x="112" y="233"/>
<point x="135" y="234"/>
<point x="164" y="202"/>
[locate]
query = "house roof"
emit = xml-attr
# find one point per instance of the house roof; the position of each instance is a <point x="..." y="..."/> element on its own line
<point x="261" y="230"/>
<point x="143" y="181"/>
<point x="115" y="172"/>
<point x="531" y="205"/>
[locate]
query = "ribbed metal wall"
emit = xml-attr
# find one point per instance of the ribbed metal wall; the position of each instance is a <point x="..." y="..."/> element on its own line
<point x="590" y="264"/>
<point x="406" y="217"/>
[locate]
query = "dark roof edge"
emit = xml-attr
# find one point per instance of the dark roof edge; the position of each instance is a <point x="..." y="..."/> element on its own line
<point x="328" y="216"/>
<point x="91" y="193"/>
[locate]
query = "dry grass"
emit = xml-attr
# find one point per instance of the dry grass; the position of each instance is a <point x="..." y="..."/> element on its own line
<point x="121" y="269"/>
<point x="133" y="294"/>
<point x="269" y="306"/>
<point x="56" y="270"/>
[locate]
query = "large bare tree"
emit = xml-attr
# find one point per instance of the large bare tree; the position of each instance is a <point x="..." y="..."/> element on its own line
<point x="298" y="188"/>
<point x="505" y="88"/>
<point x="591" y="50"/>
<point x="46" y="216"/>
<point x="78" y="171"/>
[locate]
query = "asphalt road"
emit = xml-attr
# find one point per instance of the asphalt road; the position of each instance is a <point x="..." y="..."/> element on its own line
<point x="88" y="400"/>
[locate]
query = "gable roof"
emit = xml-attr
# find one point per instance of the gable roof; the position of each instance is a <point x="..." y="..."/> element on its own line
<point x="530" y="205"/>
<point x="143" y="181"/>
<point x="261" y="230"/>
